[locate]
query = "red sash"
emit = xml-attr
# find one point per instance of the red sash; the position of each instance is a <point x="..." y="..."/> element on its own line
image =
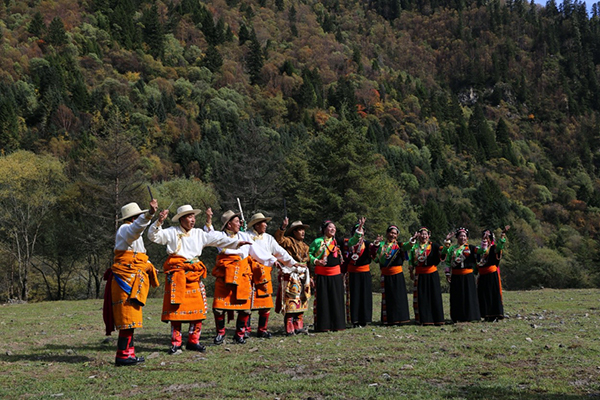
<point x="488" y="270"/>
<point x="358" y="268"/>
<point x="388" y="271"/>
<point x="461" y="271"/>
<point x="426" y="270"/>
<point x="327" y="271"/>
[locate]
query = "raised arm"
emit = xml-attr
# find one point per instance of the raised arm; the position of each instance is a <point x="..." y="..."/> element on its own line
<point x="155" y="233"/>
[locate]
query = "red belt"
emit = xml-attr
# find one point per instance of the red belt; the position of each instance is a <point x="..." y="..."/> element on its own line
<point x="462" y="271"/>
<point x="396" y="269"/>
<point x="488" y="270"/>
<point x="327" y="271"/>
<point x="358" y="268"/>
<point x="426" y="270"/>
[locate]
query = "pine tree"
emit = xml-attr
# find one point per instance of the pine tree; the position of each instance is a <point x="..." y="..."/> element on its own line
<point x="243" y="34"/>
<point x="480" y="129"/>
<point x="57" y="35"/>
<point x="213" y="59"/>
<point x="153" y="31"/>
<point x="434" y="218"/>
<point x="255" y="60"/>
<point x="36" y="26"/>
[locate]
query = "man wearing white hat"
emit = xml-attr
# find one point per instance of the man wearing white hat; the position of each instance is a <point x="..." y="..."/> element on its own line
<point x="267" y="254"/>
<point x="233" y="273"/>
<point x="185" y="297"/>
<point x="294" y="283"/>
<point x="128" y="281"/>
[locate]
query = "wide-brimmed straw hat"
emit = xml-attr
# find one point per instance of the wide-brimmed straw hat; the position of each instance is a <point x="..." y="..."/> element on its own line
<point x="258" y="217"/>
<point x="185" y="210"/>
<point x="228" y="216"/>
<point x="130" y="210"/>
<point x="294" y="226"/>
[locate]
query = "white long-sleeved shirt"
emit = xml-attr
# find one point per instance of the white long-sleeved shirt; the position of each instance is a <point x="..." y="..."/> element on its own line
<point x="129" y="235"/>
<point x="188" y="244"/>
<point x="267" y="251"/>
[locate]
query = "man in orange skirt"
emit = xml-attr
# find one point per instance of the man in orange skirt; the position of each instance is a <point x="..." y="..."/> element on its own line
<point x="128" y="281"/>
<point x="266" y="253"/>
<point x="233" y="286"/>
<point x="185" y="296"/>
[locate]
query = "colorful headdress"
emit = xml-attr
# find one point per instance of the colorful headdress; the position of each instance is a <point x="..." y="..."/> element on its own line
<point x="325" y="224"/>
<point x="392" y="227"/>
<point x="423" y="228"/>
<point x="461" y="229"/>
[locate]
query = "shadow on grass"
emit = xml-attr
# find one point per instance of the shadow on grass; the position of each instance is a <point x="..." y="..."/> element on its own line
<point x="521" y="392"/>
<point x="85" y="352"/>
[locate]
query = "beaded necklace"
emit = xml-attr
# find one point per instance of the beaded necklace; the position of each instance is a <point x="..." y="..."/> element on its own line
<point x="460" y="254"/>
<point x="357" y="250"/>
<point x="422" y="252"/>
<point x="328" y="250"/>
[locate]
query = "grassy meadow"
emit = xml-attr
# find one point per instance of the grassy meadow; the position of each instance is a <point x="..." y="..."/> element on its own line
<point x="548" y="348"/>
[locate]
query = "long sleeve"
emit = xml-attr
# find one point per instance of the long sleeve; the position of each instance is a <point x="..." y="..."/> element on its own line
<point x="156" y="234"/>
<point x="129" y="235"/>
<point x="282" y="239"/>
<point x="279" y="252"/>
<point x="221" y="241"/>
<point x="315" y="250"/>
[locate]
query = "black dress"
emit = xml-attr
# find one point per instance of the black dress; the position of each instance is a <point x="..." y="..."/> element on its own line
<point x="464" y="304"/>
<point x="489" y="286"/>
<point x="394" y="299"/>
<point x="328" y="305"/>
<point x="427" y="294"/>
<point x="360" y="292"/>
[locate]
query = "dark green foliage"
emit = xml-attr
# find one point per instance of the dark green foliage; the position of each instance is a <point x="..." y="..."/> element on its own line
<point x="57" y="35"/>
<point x="343" y="97"/>
<point x="434" y="218"/>
<point x="255" y="60"/>
<point x="213" y="59"/>
<point x="152" y="31"/>
<point x="492" y="204"/>
<point x="9" y="133"/>
<point x="388" y="9"/>
<point x="123" y="27"/>
<point x="243" y="34"/>
<point x="36" y="26"/>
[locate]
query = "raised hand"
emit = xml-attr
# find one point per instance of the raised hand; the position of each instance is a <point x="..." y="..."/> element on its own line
<point x="162" y="216"/>
<point x="153" y="206"/>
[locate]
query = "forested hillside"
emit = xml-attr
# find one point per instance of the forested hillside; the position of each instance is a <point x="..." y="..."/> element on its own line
<point x="436" y="113"/>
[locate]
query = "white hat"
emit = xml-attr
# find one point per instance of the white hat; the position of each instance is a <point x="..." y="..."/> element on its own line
<point x="130" y="210"/>
<point x="228" y="216"/>
<point x="185" y="210"/>
<point x="256" y="218"/>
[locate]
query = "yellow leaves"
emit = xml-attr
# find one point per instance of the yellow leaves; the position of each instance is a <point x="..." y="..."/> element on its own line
<point x="132" y="76"/>
<point x="31" y="179"/>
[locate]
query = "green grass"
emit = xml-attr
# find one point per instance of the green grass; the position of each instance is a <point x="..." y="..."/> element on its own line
<point x="549" y="348"/>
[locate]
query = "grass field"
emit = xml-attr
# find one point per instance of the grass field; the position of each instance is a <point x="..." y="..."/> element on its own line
<point x="548" y="348"/>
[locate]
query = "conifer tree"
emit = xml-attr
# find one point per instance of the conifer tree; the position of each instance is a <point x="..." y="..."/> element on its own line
<point x="153" y="31"/>
<point x="57" y="35"/>
<point x="213" y="59"/>
<point x="480" y="129"/>
<point x="255" y="60"/>
<point x="36" y="26"/>
<point x="243" y="34"/>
